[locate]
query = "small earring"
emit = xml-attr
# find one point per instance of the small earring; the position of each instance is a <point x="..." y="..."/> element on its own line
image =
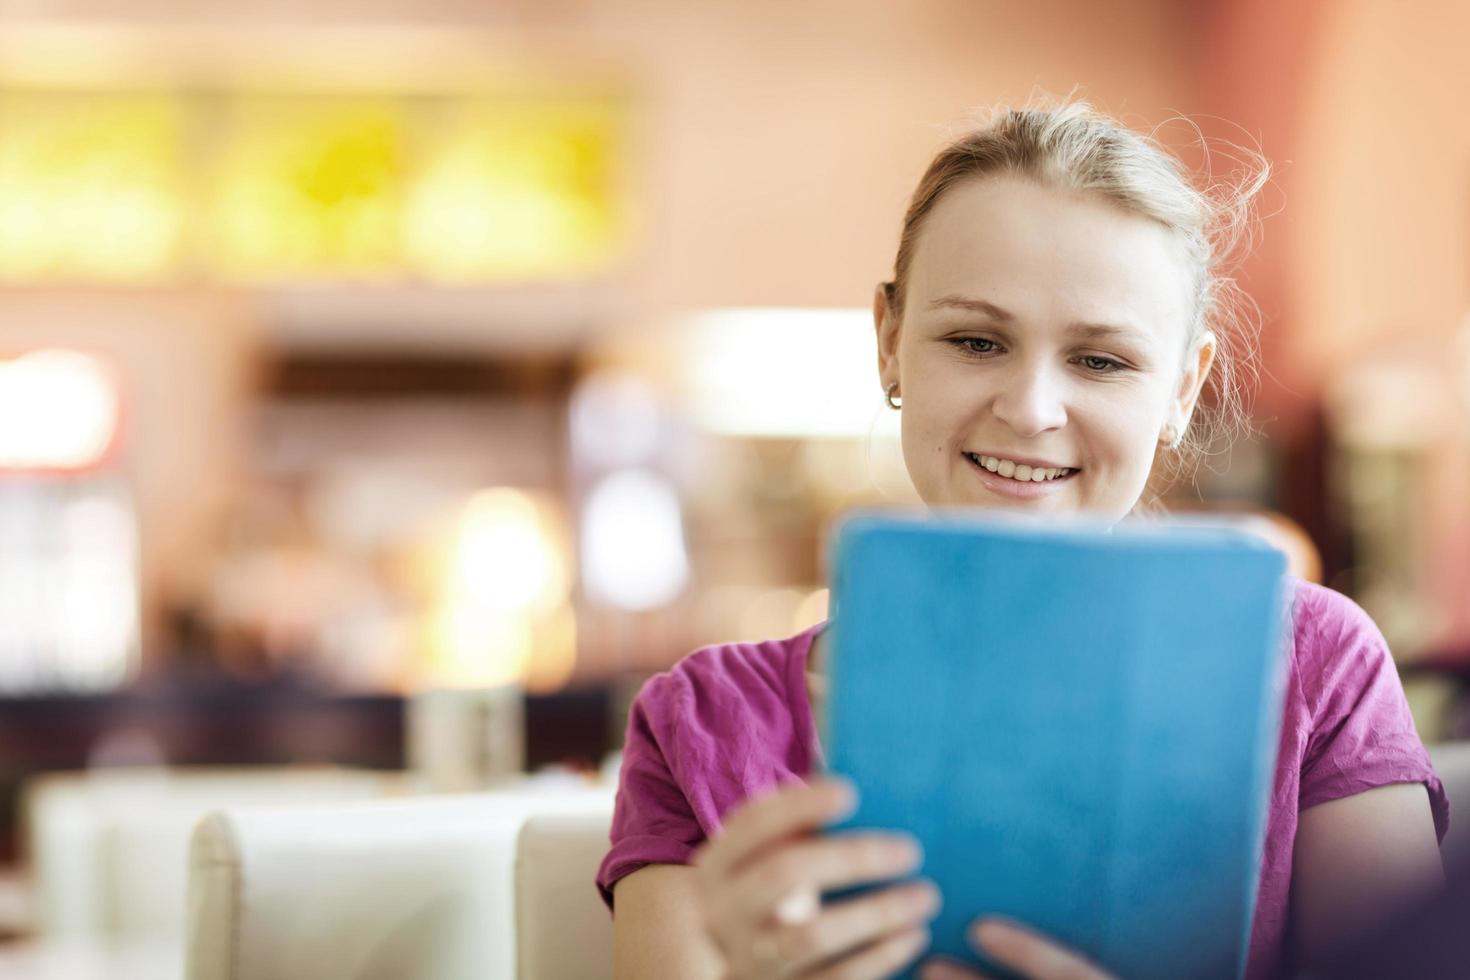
<point x="1170" y="437"/>
<point x="888" y="397"/>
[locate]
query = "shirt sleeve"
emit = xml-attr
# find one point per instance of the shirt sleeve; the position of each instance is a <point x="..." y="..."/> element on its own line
<point x="652" y="822"/>
<point x="1363" y="735"/>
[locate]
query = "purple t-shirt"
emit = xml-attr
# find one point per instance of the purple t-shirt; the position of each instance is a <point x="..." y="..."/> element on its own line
<point x="729" y="722"/>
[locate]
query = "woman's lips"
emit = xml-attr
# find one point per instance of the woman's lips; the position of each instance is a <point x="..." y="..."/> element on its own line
<point x="1018" y="489"/>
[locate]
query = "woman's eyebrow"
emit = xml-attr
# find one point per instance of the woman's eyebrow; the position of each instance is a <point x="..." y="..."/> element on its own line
<point x="1092" y="331"/>
<point x="955" y="302"/>
<point x="1107" y="331"/>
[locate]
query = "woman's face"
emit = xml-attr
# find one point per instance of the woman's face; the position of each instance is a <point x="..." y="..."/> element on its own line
<point x="1043" y="334"/>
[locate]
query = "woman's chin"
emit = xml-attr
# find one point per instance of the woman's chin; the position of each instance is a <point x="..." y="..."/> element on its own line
<point x="986" y="501"/>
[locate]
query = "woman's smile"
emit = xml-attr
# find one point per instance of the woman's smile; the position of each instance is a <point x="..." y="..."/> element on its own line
<point x="1021" y="483"/>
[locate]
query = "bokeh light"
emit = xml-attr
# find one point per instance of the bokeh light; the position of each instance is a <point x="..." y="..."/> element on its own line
<point x="499" y="599"/>
<point x="783" y="372"/>
<point x="90" y="185"/>
<point x="514" y="193"/>
<point x="304" y="186"/>
<point x="59" y="410"/>
<point x="633" y="551"/>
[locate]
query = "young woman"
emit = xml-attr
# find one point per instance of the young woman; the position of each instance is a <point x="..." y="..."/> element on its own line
<point x="1056" y="309"/>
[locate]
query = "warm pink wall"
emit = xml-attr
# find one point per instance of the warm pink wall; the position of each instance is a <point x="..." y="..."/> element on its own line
<point x="785" y="138"/>
<point x="1383" y="245"/>
<point x="1254" y="57"/>
<point x="1381" y="251"/>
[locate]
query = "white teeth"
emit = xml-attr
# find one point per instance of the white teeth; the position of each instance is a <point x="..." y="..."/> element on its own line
<point x="1020" y="471"/>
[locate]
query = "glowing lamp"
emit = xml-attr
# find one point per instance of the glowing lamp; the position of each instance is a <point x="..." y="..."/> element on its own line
<point x="59" y="410"/>
<point x="633" y="552"/>
<point x="500" y="603"/>
<point x="822" y="362"/>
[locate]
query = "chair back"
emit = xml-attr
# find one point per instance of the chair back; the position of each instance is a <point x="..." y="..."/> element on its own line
<point x="563" y="929"/>
<point x="108" y="848"/>
<point x="381" y="890"/>
<point x="1452" y="765"/>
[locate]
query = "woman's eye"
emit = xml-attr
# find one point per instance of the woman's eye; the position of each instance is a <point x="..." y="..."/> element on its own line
<point x="1100" y="364"/>
<point x="977" y="345"/>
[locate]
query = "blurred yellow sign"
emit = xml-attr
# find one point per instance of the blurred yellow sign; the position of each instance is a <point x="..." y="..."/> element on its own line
<point x="256" y="188"/>
<point x="91" y="188"/>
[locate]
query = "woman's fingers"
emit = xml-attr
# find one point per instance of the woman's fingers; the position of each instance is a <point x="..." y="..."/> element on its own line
<point x="1031" y="953"/>
<point x="1012" y="945"/>
<point x="856" y="924"/>
<point x="882" y="959"/>
<point x="761" y="878"/>
<point x="821" y="863"/>
<point x="787" y="811"/>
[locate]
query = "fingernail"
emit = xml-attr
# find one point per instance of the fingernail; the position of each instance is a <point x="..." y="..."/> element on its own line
<point x="927" y="899"/>
<point x="905" y="852"/>
<point x="841" y="794"/>
<point x="986" y="931"/>
<point x="912" y="947"/>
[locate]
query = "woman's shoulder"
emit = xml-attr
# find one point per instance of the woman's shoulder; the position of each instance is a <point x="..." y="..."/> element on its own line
<point x="718" y="675"/>
<point x="1338" y="652"/>
<point x="1327" y="624"/>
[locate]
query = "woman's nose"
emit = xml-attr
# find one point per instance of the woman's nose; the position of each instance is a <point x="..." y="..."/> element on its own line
<point x="1031" y="401"/>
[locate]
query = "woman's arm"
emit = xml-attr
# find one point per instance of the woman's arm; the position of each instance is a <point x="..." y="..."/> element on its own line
<point x="1358" y="860"/>
<point x="658" y="931"/>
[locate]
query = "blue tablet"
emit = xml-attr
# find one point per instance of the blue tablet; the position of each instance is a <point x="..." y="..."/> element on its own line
<point x="1079" y="724"/>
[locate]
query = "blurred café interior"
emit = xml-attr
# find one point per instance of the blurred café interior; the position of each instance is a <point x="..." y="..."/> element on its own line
<point x="388" y="388"/>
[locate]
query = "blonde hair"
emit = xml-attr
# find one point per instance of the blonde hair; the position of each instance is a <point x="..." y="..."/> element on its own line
<point x="1070" y="145"/>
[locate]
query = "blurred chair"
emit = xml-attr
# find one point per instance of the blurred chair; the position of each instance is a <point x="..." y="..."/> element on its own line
<point x="107" y="849"/>
<point x="486" y="885"/>
<point x="1452" y="763"/>
<point x="556" y="862"/>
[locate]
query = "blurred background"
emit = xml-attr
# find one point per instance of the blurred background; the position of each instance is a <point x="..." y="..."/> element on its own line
<point x="387" y="388"/>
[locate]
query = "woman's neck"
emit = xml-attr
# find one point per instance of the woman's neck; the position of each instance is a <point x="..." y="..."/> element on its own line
<point x="816" y="681"/>
<point x="817" y="656"/>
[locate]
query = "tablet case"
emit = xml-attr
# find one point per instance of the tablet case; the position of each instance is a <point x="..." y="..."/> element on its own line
<point x="1079" y="725"/>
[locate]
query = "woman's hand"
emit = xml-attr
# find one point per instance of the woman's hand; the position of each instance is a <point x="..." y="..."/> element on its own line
<point x="761" y="878"/>
<point x="1014" y="946"/>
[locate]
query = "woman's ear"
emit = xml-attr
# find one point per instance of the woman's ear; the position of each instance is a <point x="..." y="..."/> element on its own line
<point x="885" y="323"/>
<point x="1186" y="396"/>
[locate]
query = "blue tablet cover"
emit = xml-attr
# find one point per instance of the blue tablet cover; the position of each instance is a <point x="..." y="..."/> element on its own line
<point x="1080" y="726"/>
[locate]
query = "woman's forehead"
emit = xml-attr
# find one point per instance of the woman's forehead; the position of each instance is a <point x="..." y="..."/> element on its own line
<point x="1048" y="256"/>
